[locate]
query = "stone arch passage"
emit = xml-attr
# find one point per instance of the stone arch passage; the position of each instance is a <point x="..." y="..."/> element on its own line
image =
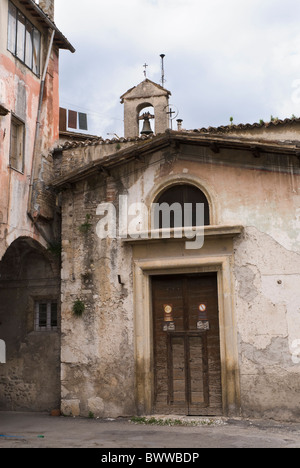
<point x="29" y="325"/>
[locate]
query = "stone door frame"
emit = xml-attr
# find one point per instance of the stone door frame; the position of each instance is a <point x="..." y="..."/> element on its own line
<point x="143" y="270"/>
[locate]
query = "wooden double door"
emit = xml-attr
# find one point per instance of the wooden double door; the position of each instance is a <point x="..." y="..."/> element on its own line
<point x="186" y="345"/>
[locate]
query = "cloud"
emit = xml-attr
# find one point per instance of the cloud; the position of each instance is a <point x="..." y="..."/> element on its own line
<point x="234" y="58"/>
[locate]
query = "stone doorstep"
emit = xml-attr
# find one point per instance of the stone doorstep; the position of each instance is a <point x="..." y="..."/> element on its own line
<point x="214" y="421"/>
<point x="190" y="420"/>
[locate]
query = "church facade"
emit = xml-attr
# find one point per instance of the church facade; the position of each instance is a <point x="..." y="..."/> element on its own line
<point x="199" y="322"/>
<point x="152" y="274"/>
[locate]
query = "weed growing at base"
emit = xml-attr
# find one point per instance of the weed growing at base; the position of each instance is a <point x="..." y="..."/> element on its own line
<point x="176" y="422"/>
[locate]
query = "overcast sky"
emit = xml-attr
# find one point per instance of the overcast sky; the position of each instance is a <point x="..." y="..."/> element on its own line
<point x="238" y="58"/>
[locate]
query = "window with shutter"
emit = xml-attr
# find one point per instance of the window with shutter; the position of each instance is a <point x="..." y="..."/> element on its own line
<point x="36" y="51"/>
<point x="12" y="28"/>
<point x="46" y="316"/>
<point x="23" y="39"/>
<point x="21" y="36"/>
<point x="17" y="135"/>
<point x="28" y="49"/>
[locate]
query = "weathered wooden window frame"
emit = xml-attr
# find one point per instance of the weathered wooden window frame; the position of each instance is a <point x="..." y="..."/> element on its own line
<point x="19" y="158"/>
<point x="49" y="327"/>
<point x="35" y="34"/>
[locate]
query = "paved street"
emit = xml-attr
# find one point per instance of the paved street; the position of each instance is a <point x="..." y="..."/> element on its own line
<point x="30" y="430"/>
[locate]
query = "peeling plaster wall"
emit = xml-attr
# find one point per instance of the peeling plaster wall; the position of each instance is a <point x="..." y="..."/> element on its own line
<point x="268" y="315"/>
<point x="97" y="349"/>
<point x="19" y="92"/>
<point x="30" y="380"/>
<point x="98" y="360"/>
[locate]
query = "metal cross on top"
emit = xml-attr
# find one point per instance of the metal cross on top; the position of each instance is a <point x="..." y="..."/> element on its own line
<point x="170" y="114"/>
<point x="145" y="72"/>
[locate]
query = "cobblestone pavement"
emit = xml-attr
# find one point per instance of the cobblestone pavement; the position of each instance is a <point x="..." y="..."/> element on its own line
<point x="31" y="430"/>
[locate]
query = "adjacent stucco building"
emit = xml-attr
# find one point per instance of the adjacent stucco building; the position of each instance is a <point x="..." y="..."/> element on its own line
<point x="29" y="212"/>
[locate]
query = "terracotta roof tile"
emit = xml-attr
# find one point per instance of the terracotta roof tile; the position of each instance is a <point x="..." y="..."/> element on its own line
<point x="223" y="129"/>
<point x="100" y="141"/>
<point x="248" y="126"/>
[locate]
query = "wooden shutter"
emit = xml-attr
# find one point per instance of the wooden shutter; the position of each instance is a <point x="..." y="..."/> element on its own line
<point x="13" y="145"/>
<point x="62" y="119"/>
<point x="72" y="119"/>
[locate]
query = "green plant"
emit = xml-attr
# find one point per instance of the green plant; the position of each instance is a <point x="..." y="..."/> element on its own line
<point x="91" y="415"/>
<point x="78" y="308"/>
<point x="157" y="422"/>
<point x="231" y="120"/>
<point x="261" y="121"/>
<point x="118" y="146"/>
<point x="85" y="227"/>
<point x="177" y="422"/>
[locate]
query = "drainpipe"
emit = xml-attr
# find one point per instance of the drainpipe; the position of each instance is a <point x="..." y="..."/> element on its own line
<point x="38" y="122"/>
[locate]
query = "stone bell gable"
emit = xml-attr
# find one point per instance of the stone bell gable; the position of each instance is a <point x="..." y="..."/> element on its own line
<point x="146" y="94"/>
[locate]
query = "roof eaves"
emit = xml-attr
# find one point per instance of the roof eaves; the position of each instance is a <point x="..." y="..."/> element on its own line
<point x="197" y="137"/>
<point x="37" y="12"/>
<point x="94" y="141"/>
<point x="79" y="137"/>
<point x="143" y="145"/>
<point x="160" y="141"/>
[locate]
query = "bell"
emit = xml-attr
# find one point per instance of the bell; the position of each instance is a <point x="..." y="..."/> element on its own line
<point x="147" y="130"/>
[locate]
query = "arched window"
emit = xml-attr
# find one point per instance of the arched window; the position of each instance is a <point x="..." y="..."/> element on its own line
<point x="187" y="196"/>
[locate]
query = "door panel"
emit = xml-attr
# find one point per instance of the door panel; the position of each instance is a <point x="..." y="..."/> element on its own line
<point x="198" y="372"/>
<point x="177" y="384"/>
<point x="186" y="345"/>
